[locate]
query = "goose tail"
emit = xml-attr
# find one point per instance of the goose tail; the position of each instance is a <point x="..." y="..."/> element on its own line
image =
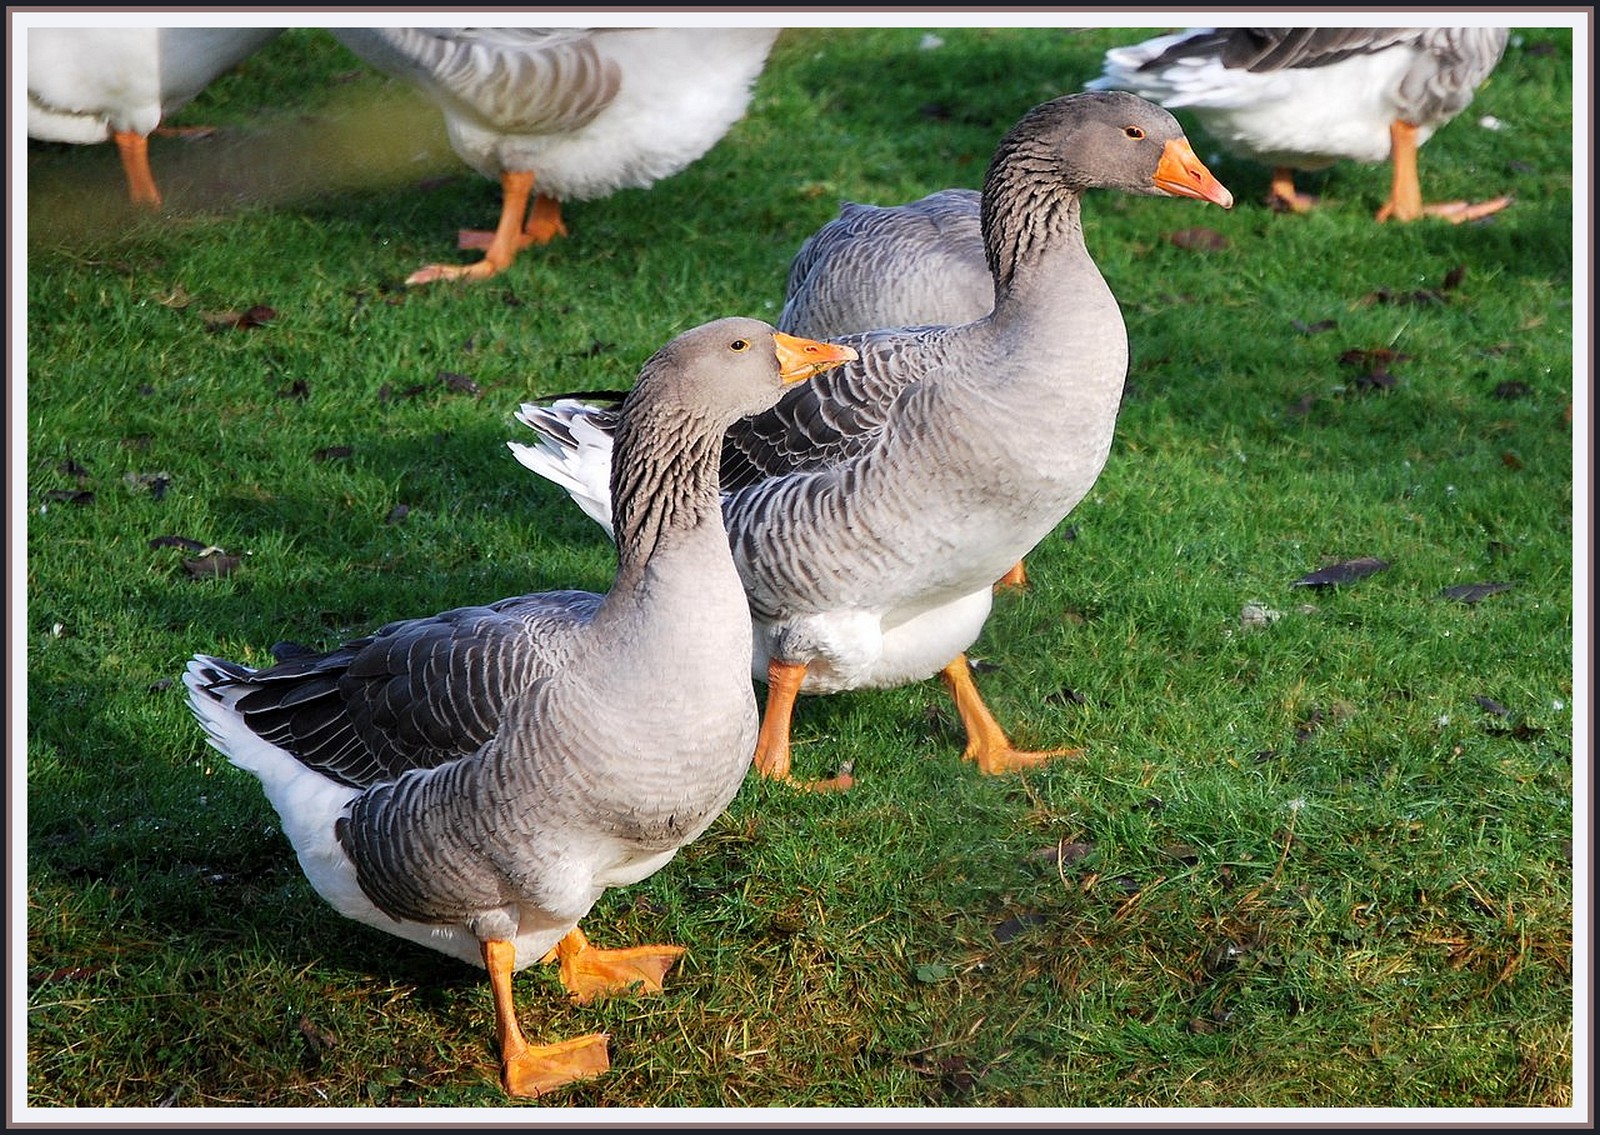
<point x="572" y="449"/>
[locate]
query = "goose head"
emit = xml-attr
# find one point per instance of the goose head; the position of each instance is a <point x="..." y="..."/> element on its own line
<point x="1105" y="140"/>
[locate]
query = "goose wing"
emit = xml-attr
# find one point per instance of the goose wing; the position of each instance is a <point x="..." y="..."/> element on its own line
<point x="414" y="694"/>
<point x="519" y="80"/>
<point x="836" y="415"/>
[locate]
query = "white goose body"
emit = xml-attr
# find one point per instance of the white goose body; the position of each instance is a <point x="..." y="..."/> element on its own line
<point x="592" y="110"/>
<point x="479" y="777"/>
<point x="870" y="520"/>
<point x="88" y="85"/>
<point x="1305" y="98"/>
<point x="84" y="84"/>
<point x="570" y="113"/>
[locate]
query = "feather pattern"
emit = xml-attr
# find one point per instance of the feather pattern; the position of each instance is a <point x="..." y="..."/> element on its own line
<point x="911" y="265"/>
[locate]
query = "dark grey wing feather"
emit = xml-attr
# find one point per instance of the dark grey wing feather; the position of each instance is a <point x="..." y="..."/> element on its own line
<point x="1279" y="49"/>
<point x="414" y="694"/>
<point x="917" y="264"/>
<point x="833" y="416"/>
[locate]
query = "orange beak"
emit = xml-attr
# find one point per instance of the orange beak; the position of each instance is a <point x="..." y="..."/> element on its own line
<point x="799" y="359"/>
<point x="1184" y="175"/>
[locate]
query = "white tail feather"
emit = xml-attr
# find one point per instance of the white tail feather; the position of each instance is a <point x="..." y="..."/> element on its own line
<point x="572" y="451"/>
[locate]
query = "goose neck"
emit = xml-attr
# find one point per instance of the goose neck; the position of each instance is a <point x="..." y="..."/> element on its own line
<point x="663" y="482"/>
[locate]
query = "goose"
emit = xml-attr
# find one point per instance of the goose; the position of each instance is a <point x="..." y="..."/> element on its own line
<point x="473" y="781"/>
<point x="561" y="114"/>
<point x="1304" y="98"/>
<point x="908" y="265"/>
<point x="89" y="85"/>
<point x="869" y="521"/>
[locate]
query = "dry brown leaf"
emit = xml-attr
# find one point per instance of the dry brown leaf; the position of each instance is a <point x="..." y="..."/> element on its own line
<point x="1347" y="571"/>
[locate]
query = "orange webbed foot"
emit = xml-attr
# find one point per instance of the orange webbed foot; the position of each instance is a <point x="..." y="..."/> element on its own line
<point x="588" y="971"/>
<point x="844" y="782"/>
<point x="987" y="744"/>
<point x="1456" y="212"/>
<point x="433" y="273"/>
<point x="994" y="760"/>
<point x="593" y="972"/>
<point x="535" y="1069"/>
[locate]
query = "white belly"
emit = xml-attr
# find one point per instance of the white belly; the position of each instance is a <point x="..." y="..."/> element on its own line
<point x="853" y="650"/>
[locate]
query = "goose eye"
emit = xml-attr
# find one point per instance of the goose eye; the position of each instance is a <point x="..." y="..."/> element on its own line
<point x="739" y="345"/>
<point x="1133" y="132"/>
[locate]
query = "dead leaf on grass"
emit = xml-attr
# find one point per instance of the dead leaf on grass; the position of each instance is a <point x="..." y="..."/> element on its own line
<point x="318" y="1041"/>
<point x="213" y="564"/>
<point x="1472" y="592"/>
<point x="156" y="484"/>
<point x="1348" y="571"/>
<point x="183" y="542"/>
<point x="258" y="316"/>
<point x="1199" y="239"/>
<point x="388" y="394"/>
<point x="1373" y="380"/>
<point x="1066" y="852"/>
<point x="459" y="383"/>
<point x="1018" y="924"/>
<point x="69" y="496"/>
<point x="1301" y="407"/>
<point x="1422" y="297"/>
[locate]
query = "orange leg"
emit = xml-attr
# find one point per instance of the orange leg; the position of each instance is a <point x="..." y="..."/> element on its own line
<point x="530" y="1070"/>
<point x="987" y="743"/>
<point x="1405" y="188"/>
<point x="1283" y="196"/>
<point x="1016" y="577"/>
<point x="544" y="221"/>
<point x="588" y="971"/>
<point x="1405" y="191"/>
<point x="135" y="151"/>
<point x="502" y="248"/>
<point x="544" y="224"/>
<point x="772" y="746"/>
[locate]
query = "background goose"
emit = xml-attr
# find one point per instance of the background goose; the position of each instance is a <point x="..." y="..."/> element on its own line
<point x="473" y="781"/>
<point x="1303" y="98"/>
<point x="559" y="114"/>
<point x="870" y="521"/>
<point x="875" y="266"/>
<point x="911" y="265"/>
<point x="89" y="85"/>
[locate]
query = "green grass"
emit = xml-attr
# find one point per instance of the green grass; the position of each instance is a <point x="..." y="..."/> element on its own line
<point x="1326" y="863"/>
